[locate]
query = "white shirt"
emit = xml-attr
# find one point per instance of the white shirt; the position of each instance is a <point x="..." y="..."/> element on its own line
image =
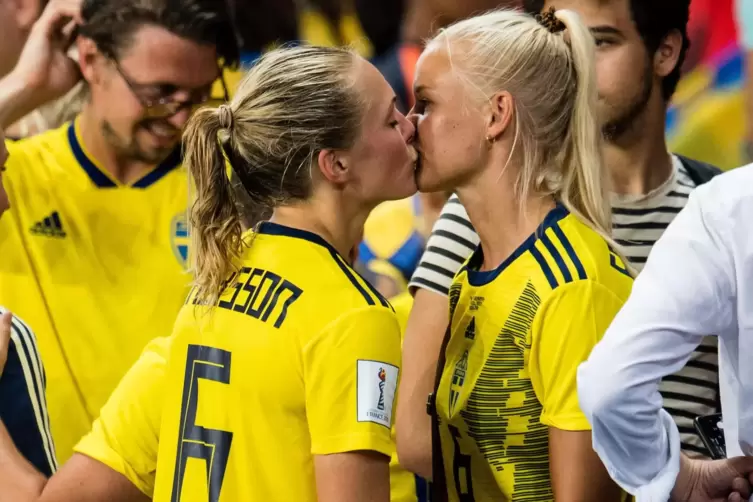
<point x="698" y="280"/>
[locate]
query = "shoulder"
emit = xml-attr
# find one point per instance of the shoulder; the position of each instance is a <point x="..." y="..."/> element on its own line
<point x="726" y="196"/>
<point x="23" y="340"/>
<point x="37" y="157"/>
<point x="698" y="171"/>
<point x="51" y="140"/>
<point x="593" y="259"/>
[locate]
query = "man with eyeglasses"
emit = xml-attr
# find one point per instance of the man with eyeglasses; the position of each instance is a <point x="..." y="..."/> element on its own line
<point x="95" y="248"/>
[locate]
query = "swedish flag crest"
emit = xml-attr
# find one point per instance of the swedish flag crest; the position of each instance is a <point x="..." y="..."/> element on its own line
<point x="179" y="239"/>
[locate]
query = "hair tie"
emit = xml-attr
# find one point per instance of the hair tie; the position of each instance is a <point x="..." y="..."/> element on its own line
<point x="226" y="117"/>
<point x="549" y="20"/>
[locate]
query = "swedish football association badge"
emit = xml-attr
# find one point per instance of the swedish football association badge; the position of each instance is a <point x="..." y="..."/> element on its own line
<point x="179" y="239"/>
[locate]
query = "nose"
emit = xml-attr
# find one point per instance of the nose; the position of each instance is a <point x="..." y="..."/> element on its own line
<point x="179" y="119"/>
<point x="408" y="128"/>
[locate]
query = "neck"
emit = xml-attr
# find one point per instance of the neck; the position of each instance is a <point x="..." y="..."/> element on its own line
<point x="500" y="221"/>
<point x="638" y="160"/>
<point x="122" y="169"/>
<point x="329" y="218"/>
<point x="431" y="206"/>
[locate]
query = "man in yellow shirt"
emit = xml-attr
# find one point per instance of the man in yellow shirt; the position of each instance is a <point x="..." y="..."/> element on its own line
<point x="95" y="246"/>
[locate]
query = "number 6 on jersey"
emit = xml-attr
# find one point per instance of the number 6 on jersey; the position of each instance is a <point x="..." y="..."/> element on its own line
<point x="195" y="441"/>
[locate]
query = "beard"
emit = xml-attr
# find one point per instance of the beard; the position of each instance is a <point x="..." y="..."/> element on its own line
<point x="130" y="148"/>
<point x="616" y="127"/>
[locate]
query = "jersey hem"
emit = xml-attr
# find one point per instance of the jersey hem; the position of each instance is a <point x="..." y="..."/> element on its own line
<point x="570" y="422"/>
<point x="354" y="442"/>
<point x="107" y="455"/>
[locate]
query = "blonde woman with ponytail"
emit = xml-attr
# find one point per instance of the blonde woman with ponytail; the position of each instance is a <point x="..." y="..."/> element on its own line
<point x="505" y="118"/>
<point x="284" y="361"/>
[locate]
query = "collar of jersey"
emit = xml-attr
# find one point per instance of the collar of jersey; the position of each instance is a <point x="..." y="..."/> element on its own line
<point x="481" y="278"/>
<point x="103" y="180"/>
<point x="269" y="228"/>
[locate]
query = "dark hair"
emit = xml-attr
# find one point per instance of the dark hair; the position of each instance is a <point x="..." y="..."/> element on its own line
<point x="654" y="20"/>
<point x="111" y="24"/>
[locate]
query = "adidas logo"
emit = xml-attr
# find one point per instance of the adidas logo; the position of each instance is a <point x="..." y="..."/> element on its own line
<point x="50" y="226"/>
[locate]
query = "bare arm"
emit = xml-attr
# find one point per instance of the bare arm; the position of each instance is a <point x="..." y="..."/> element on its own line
<point x="423" y="339"/>
<point x="44" y="72"/>
<point x="81" y="479"/>
<point x="344" y="477"/>
<point x="577" y="473"/>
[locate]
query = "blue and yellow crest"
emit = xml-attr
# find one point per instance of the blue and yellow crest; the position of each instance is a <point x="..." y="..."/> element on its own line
<point x="179" y="239"/>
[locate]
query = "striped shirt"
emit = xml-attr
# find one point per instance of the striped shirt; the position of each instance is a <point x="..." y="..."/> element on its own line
<point x="23" y="406"/>
<point x="637" y="224"/>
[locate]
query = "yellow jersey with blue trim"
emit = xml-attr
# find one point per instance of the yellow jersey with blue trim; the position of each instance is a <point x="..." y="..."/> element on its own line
<point x="299" y="357"/>
<point x="517" y="335"/>
<point x="97" y="267"/>
<point x="393" y="241"/>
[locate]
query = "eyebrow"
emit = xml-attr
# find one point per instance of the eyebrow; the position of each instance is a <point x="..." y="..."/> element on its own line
<point x="605" y="30"/>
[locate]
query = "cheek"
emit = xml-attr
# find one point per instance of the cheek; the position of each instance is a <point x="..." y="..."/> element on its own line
<point x="618" y="72"/>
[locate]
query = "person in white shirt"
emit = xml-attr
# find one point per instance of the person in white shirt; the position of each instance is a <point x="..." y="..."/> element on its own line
<point x="698" y="280"/>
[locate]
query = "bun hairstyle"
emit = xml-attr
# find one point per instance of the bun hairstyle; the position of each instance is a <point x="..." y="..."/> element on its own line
<point x="547" y="63"/>
<point x="292" y="104"/>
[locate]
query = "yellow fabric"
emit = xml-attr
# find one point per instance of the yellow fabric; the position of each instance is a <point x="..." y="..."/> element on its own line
<point x="402" y="482"/>
<point x="584" y="309"/>
<point x="98" y="272"/>
<point x="287" y="367"/>
<point x="518" y="333"/>
<point x="125" y="436"/>
<point x="317" y="30"/>
<point x="392" y="240"/>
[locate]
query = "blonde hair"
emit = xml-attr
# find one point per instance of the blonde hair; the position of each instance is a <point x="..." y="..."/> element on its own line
<point x="551" y="77"/>
<point x="292" y="104"/>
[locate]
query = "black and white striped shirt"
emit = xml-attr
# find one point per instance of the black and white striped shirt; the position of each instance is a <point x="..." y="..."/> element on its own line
<point x="637" y="224"/>
<point x="23" y="406"/>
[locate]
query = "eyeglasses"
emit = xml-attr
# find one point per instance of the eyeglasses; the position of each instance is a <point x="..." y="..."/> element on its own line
<point x="165" y="106"/>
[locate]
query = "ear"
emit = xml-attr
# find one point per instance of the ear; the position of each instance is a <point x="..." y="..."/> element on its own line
<point x="26" y="12"/>
<point x="501" y="109"/>
<point x="667" y="55"/>
<point x="89" y="60"/>
<point x="333" y="166"/>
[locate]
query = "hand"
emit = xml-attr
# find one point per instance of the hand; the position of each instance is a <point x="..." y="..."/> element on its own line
<point x="727" y="480"/>
<point x="5" y="327"/>
<point x="43" y="65"/>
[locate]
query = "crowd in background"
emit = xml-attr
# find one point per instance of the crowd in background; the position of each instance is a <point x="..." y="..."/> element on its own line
<point x="409" y="248"/>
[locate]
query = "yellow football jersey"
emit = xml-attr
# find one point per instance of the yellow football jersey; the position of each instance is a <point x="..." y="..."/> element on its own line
<point x="518" y="334"/>
<point x="300" y="357"/>
<point x="125" y="436"/>
<point x="97" y="268"/>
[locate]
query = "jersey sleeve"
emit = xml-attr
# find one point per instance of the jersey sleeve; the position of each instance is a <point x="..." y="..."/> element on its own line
<point x="452" y="241"/>
<point x="351" y="371"/>
<point x="125" y="436"/>
<point x="23" y="406"/>
<point x="567" y="327"/>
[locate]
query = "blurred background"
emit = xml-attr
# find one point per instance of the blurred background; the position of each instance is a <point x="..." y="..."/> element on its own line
<point x="707" y="120"/>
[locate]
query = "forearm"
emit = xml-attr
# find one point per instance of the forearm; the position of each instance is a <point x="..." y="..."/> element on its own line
<point x="19" y="480"/>
<point x="17" y="100"/>
<point x="576" y="471"/>
<point x="423" y="340"/>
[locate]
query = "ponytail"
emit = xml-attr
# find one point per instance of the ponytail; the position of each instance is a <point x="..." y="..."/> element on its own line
<point x="584" y="190"/>
<point x="216" y="227"/>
